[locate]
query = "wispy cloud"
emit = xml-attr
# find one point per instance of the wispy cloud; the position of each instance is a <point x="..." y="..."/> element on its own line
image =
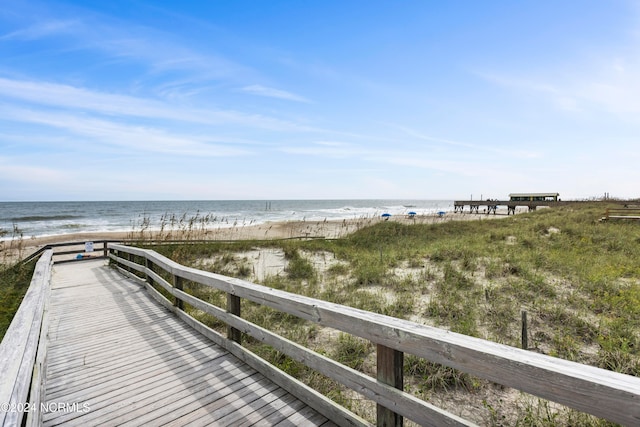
<point x="42" y="29"/>
<point x="608" y="84"/>
<point x="156" y="50"/>
<point x="65" y="96"/>
<point x="419" y="161"/>
<point x="274" y="93"/>
<point x="515" y="153"/>
<point x="331" y="149"/>
<point x="131" y="137"/>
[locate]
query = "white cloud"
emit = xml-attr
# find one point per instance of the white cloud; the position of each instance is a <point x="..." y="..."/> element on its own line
<point x="42" y="29"/>
<point x="517" y="153"/>
<point x="70" y="97"/>
<point x="131" y="137"/>
<point x="419" y="161"/>
<point x="605" y="84"/>
<point x="273" y="93"/>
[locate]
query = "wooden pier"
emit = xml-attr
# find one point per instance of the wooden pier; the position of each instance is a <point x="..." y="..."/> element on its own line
<point x="491" y="206"/>
<point x="94" y="344"/>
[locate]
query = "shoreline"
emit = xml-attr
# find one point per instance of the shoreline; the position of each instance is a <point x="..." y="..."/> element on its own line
<point x="12" y="250"/>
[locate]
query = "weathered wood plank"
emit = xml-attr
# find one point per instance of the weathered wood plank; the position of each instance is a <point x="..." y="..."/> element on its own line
<point x="304" y="416"/>
<point x="195" y="401"/>
<point x="101" y="369"/>
<point x="263" y="413"/>
<point x="36" y="393"/>
<point x="283" y="413"/>
<point x="131" y="375"/>
<point x="157" y="403"/>
<point x="19" y="346"/>
<point x="152" y="395"/>
<point x="250" y="411"/>
<point x="238" y="395"/>
<point x="130" y="264"/>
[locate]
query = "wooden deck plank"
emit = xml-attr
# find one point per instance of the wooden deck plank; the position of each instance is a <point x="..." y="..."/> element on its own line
<point x="305" y="416"/>
<point x="135" y="400"/>
<point x="262" y="413"/>
<point x="255" y="394"/>
<point x="112" y="342"/>
<point x="255" y="411"/>
<point x="106" y="353"/>
<point x="91" y="388"/>
<point x="133" y="372"/>
<point x="153" y="400"/>
<point x="173" y="409"/>
<point x="291" y="406"/>
<point x="133" y="362"/>
<point x="108" y="358"/>
<point x="100" y="368"/>
<point x="220" y="408"/>
<point x="72" y="345"/>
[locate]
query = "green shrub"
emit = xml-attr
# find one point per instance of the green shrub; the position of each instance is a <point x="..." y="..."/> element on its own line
<point x="298" y="267"/>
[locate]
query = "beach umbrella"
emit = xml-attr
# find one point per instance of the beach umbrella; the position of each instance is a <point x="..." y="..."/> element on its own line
<point x="412" y="213"/>
<point x="386" y="215"/>
<point x="441" y="213"/>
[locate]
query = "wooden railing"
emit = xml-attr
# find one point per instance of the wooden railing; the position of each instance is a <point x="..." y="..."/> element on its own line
<point x="603" y="393"/>
<point x="22" y="359"/>
<point x="622" y="213"/>
<point x="99" y="250"/>
<point x="23" y="349"/>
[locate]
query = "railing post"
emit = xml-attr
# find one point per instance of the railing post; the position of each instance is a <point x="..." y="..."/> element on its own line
<point x="390" y="371"/>
<point x="233" y="307"/>
<point x="130" y="258"/>
<point x="149" y="266"/>
<point x="525" y="334"/>
<point x="177" y="283"/>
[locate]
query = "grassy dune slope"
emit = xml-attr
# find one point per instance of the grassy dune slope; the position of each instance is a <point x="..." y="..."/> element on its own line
<point x="577" y="278"/>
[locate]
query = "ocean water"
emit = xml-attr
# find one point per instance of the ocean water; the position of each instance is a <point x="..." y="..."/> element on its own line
<point x="35" y="219"/>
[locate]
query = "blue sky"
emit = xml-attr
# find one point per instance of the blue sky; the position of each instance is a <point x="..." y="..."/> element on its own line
<point x="142" y="100"/>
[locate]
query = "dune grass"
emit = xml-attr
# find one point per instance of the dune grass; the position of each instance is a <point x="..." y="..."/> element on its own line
<point x="14" y="282"/>
<point x="15" y="277"/>
<point x="577" y="278"/>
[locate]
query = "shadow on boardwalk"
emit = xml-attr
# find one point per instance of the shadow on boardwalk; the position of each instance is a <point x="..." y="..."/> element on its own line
<point x="116" y="357"/>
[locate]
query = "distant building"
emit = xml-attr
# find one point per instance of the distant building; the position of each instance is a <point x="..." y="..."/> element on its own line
<point x="534" y="197"/>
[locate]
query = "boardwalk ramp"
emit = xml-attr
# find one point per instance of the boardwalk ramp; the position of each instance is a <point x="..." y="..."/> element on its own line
<point x="117" y="357"/>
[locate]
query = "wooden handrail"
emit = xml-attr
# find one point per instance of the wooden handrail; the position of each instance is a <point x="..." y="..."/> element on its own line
<point x="21" y="370"/>
<point x="622" y="213"/>
<point x="600" y="392"/>
<point x="52" y="246"/>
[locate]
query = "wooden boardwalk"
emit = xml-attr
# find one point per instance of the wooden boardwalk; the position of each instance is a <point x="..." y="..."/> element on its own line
<point x="116" y="357"/>
<point x="97" y="348"/>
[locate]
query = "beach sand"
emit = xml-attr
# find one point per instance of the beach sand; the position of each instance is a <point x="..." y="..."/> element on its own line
<point x="11" y="251"/>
